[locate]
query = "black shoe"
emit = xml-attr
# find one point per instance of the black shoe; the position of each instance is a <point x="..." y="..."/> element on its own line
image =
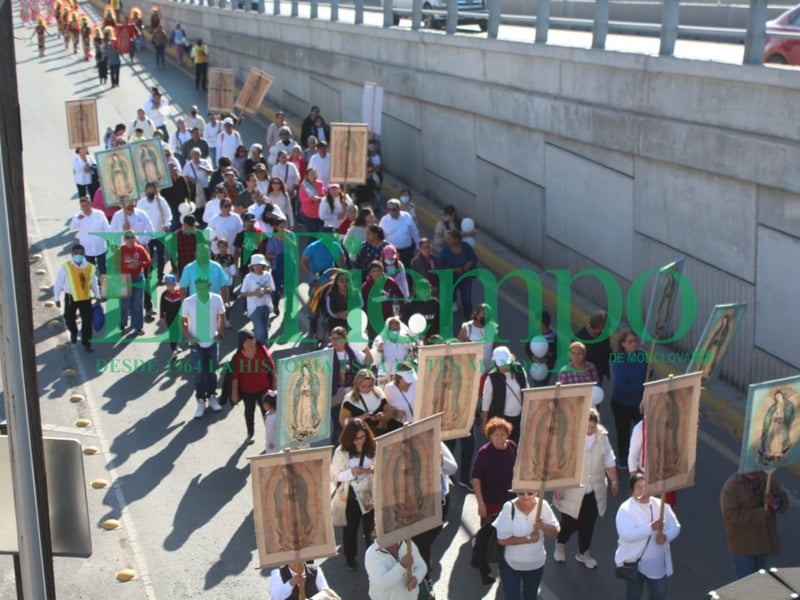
<point x="250" y="440"/>
<point x="73" y="338"/>
<point x="88" y="348"/>
<point x="351" y="565"/>
<point x="139" y="332"/>
<point x="487" y="579"/>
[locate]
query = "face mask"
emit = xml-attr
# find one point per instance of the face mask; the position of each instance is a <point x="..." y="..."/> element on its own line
<point x="77" y="259"/>
<point x="408" y="376"/>
<point x="393" y="335"/>
<point x="391" y="270"/>
<point x="404" y="199"/>
<point x="151" y="196"/>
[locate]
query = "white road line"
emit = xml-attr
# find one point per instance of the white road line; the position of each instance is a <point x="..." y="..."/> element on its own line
<point x="125" y="514"/>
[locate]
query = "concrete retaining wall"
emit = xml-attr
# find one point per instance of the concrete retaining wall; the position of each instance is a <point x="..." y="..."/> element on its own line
<point x="576" y="158"/>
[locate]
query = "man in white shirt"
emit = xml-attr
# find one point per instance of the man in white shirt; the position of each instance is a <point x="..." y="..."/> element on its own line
<point x="400" y="231"/>
<point x="91" y="220"/>
<point x="226" y="224"/>
<point x="321" y="161"/>
<point x="142" y="122"/>
<point x="228" y="140"/>
<point x="197" y="171"/>
<point x="157" y="110"/>
<point x="211" y="132"/>
<point x="203" y="324"/>
<point x="155" y="206"/>
<point x="195" y="120"/>
<point x="130" y="218"/>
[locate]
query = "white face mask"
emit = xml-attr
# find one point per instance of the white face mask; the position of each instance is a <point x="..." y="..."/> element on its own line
<point x="77" y="259"/>
<point x="404" y="199"/>
<point x="408" y="376"/>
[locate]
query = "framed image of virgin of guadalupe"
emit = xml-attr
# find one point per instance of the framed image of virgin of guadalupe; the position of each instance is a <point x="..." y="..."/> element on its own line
<point x="716" y="339"/>
<point x="662" y="303"/>
<point x="117" y="175"/>
<point x="771" y="437"/>
<point x="348" y="150"/>
<point x="304" y="398"/>
<point x="671" y="415"/>
<point x="82" y="127"/>
<point x="407" y="487"/>
<point x="220" y="89"/>
<point x="292" y="506"/>
<point x="254" y="90"/>
<point x="150" y="164"/>
<point x="552" y="437"/>
<point x="448" y="381"/>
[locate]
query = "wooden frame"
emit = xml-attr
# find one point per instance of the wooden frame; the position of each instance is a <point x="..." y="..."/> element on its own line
<point x="117" y="175"/>
<point x="552" y="438"/>
<point x="348" y="150"/>
<point x="150" y="164"/>
<point x="82" y="125"/>
<point x="220" y="89"/>
<point x="715" y="340"/>
<point x="662" y="302"/>
<point x="407" y="487"/>
<point x="292" y="506"/>
<point x="671" y="415"/>
<point x="304" y="398"/>
<point x="254" y="90"/>
<point x="771" y="437"/>
<point x="448" y="382"/>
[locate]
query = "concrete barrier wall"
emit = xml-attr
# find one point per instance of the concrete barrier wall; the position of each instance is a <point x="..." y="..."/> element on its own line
<point x="575" y="158"/>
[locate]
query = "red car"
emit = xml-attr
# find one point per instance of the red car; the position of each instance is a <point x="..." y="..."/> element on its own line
<point x="783" y="51"/>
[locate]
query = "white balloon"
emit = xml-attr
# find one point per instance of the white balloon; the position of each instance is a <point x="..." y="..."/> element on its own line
<point x="539" y="346"/>
<point x="417" y="324"/>
<point x="184" y="208"/>
<point x="467" y="224"/>
<point x="538" y="371"/>
<point x="358" y="346"/>
<point x="357" y="320"/>
<point x="597" y="395"/>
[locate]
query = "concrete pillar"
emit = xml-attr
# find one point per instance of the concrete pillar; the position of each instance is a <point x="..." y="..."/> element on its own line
<point x="756" y="31"/>
<point x="359" y="17"/>
<point x="276" y="7"/>
<point x="600" y="26"/>
<point x="542" y="21"/>
<point x="493" y="25"/>
<point x="388" y="16"/>
<point x="669" y="27"/>
<point x="314" y="9"/>
<point x="416" y="15"/>
<point x="295" y="9"/>
<point x="334" y="10"/>
<point x="452" y="17"/>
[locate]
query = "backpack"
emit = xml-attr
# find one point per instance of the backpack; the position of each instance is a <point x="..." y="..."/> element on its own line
<point x="486" y="549"/>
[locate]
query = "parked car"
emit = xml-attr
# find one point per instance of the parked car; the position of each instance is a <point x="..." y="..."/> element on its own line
<point x="783" y="51"/>
<point x="437" y="22"/>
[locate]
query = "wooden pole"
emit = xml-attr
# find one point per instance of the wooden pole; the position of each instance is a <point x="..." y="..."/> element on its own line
<point x="410" y="567"/>
<point x="766" y="489"/>
<point x="650" y="360"/>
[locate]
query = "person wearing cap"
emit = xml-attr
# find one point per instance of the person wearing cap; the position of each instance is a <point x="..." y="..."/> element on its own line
<point x="195" y="121"/>
<point x="502" y="390"/>
<point x="388" y="570"/>
<point x="181" y="137"/>
<point x="334" y="207"/>
<point x="203" y="325"/>
<point x="401" y="392"/>
<point x="134" y="260"/>
<point x="401" y="231"/>
<point x="195" y="141"/>
<point x="157" y="109"/>
<point x="226" y="224"/>
<point x="158" y="212"/>
<point x="143" y="122"/>
<point x="272" y="131"/>
<point x="76" y="279"/>
<point x="393" y="347"/>
<point x="285" y="143"/>
<point x="169" y="307"/>
<point x="211" y="132"/>
<point x="228" y="140"/>
<point x="200" y="58"/>
<point x="197" y="170"/>
<point x="257" y="288"/>
<point x="256" y="158"/>
<point x="321" y="161"/>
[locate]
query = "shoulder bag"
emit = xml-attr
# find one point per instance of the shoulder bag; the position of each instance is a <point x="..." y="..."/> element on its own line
<point x="629" y="570"/>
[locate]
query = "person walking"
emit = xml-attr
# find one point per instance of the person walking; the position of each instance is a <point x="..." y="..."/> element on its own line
<point x="749" y="513"/>
<point x="134" y="261"/>
<point x="76" y="279"/>
<point x="200" y="58"/>
<point x="254" y="378"/>
<point x="644" y="540"/>
<point x="580" y="506"/>
<point x="629" y="371"/>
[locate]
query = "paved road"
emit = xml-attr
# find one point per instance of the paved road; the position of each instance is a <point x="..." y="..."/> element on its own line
<point x="181" y="486"/>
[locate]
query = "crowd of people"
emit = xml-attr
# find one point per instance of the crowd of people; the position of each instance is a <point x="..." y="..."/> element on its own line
<point x="254" y="201"/>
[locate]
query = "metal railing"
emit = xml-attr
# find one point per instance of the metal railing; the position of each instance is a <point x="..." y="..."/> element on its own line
<point x="669" y="30"/>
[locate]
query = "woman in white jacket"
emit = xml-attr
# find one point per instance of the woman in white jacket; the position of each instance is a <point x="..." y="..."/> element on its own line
<point x="580" y="506"/>
<point x="644" y="539"/>
<point x="387" y="571"/>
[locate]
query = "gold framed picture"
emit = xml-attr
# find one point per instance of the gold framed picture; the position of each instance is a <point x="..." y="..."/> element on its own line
<point x="348" y="150"/>
<point x="82" y="127"/>
<point x="220" y="89"/>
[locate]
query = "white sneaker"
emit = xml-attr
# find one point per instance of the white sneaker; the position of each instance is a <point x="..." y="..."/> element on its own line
<point x="587" y="560"/>
<point x="560" y="554"/>
<point x="214" y="404"/>
<point x="201" y="409"/>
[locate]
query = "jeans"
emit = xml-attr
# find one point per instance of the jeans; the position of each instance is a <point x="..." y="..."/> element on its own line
<point x="311" y="224"/>
<point x="250" y="403"/>
<point x="354" y="518"/>
<point x="747" y="565"/>
<point x="260" y="319"/>
<point x="133" y="305"/>
<point x="204" y="366"/>
<point x="156" y="250"/>
<point x="212" y="156"/>
<point x="160" y="55"/>
<point x="584" y="524"/>
<point x="520" y="585"/>
<point x="467" y="449"/>
<point x="657" y="588"/>
<point x="114" y="74"/>
<point x="84" y="190"/>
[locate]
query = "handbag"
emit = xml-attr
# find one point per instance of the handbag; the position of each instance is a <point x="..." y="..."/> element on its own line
<point x="98" y="317"/>
<point x="363" y="490"/>
<point x="629" y="571"/>
<point x="339" y="505"/>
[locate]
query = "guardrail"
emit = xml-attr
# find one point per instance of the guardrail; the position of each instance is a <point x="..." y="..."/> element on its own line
<point x="669" y="30"/>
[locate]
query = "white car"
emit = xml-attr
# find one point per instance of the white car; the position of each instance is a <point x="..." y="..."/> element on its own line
<point x="437" y="22"/>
